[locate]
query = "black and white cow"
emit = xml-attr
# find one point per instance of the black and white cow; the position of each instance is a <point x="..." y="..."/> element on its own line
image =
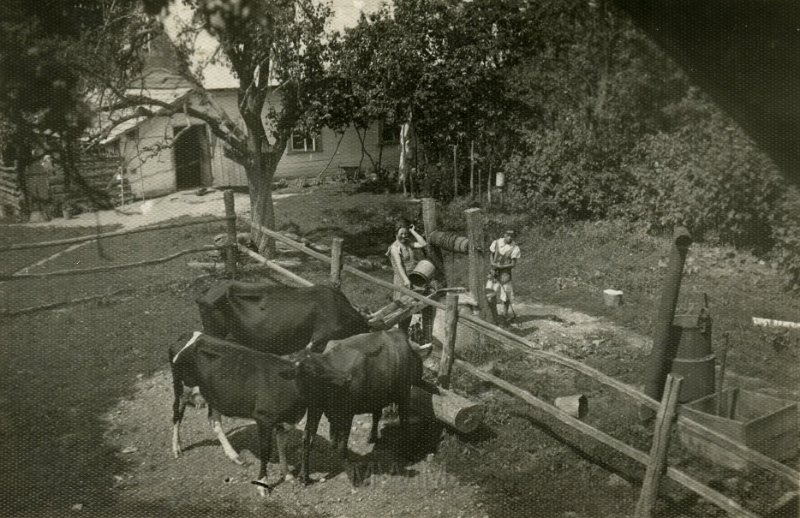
<point x="237" y="382"/>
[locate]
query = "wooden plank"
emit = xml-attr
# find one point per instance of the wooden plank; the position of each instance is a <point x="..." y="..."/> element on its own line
<point x="272" y="266"/>
<point x="62" y="273"/>
<point x="59" y="242"/>
<point x="658" y="452"/>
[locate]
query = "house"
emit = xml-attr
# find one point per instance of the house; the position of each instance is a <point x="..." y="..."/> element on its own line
<point x="165" y="153"/>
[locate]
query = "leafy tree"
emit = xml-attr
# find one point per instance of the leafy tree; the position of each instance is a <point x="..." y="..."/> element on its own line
<point x="41" y="104"/>
<point x="275" y="50"/>
<point x="440" y="66"/>
<point x="272" y="46"/>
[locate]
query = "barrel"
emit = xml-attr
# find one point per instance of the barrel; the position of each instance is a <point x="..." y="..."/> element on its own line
<point x="422" y="274"/>
<point x="694" y="358"/>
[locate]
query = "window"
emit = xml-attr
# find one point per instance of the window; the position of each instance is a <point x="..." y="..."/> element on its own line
<point x="390" y="133"/>
<point x="302" y="142"/>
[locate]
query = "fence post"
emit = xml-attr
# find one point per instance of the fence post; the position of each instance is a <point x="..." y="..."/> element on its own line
<point x="449" y="345"/>
<point x="477" y="270"/>
<point x="336" y="262"/>
<point x="230" y="250"/>
<point x="658" y="451"/>
<point x="429" y="220"/>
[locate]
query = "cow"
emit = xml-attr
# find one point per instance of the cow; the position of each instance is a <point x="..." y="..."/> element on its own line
<point x="278" y="319"/>
<point x="360" y="374"/>
<point x="275" y="319"/>
<point x="238" y="382"/>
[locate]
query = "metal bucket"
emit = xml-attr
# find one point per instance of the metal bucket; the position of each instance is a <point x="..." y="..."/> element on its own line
<point x="422" y="274"/>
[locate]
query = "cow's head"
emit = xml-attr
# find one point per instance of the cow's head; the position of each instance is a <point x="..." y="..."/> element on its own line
<point x="314" y="369"/>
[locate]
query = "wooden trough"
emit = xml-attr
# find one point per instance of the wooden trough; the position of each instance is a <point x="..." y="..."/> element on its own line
<point x="766" y="424"/>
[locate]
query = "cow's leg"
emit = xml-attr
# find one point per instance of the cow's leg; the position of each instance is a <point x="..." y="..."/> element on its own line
<point x="178" y="409"/>
<point x="265" y="451"/>
<point x="340" y="434"/>
<point x="309" y="434"/>
<point x="215" y="420"/>
<point x="405" y="439"/>
<point x="281" y="434"/>
<point x="376" y="421"/>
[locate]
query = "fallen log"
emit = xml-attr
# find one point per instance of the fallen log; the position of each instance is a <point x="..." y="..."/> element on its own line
<point x="448" y="407"/>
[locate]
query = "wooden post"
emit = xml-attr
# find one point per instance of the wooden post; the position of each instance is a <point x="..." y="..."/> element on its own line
<point x="336" y="262"/>
<point x="434" y="253"/>
<point x="658" y="451"/>
<point x="477" y="267"/>
<point x="230" y="250"/>
<point x="455" y="170"/>
<point x="449" y="345"/>
<point x="472" y="168"/>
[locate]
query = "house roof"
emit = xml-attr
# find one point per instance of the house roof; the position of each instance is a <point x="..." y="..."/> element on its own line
<point x="106" y="120"/>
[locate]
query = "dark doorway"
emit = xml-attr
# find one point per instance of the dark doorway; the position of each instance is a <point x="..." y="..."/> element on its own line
<point x="191" y="157"/>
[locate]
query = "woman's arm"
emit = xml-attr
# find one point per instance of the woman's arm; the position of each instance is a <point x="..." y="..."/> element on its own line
<point x="420" y="240"/>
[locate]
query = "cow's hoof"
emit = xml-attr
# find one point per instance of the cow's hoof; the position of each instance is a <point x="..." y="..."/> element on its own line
<point x="238" y="460"/>
<point x="263" y="488"/>
<point x="176" y="453"/>
<point x="288" y="477"/>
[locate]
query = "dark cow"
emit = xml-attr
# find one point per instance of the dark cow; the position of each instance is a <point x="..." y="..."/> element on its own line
<point x="360" y="374"/>
<point x="237" y="382"/>
<point x="278" y="319"/>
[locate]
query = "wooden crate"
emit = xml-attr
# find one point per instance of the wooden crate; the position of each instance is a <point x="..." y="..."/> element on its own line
<point x="763" y="423"/>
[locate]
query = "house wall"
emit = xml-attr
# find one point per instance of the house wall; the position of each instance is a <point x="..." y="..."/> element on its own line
<point x="151" y="171"/>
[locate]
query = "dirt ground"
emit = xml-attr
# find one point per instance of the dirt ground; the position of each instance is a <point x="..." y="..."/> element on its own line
<point x="85" y="425"/>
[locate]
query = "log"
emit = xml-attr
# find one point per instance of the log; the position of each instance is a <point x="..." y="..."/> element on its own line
<point x="446" y="406"/>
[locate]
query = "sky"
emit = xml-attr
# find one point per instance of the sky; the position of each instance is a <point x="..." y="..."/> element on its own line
<point x="345" y="14"/>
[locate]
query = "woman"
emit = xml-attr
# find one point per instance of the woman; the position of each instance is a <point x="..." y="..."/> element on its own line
<point x="401" y="254"/>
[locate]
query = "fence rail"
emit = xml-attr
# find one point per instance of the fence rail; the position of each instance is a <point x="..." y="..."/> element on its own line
<point x="502" y="336"/>
<point x="73" y="240"/>
<point x="512" y="341"/>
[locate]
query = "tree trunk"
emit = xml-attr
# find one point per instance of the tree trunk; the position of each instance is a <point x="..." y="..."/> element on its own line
<point x="262" y="210"/>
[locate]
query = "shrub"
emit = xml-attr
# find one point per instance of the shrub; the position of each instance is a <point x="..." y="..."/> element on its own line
<point x="707" y="176"/>
<point x="787" y="239"/>
<point x="569" y="172"/>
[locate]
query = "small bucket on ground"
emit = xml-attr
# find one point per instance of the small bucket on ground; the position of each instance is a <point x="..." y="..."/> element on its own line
<point x="422" y="274"/>
<point x="576" y="405"/>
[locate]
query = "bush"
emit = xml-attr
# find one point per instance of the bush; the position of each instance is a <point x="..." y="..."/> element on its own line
<point x="570" y="172"/>
<point x="707" y="176"/>
<point x="787" y="239"/>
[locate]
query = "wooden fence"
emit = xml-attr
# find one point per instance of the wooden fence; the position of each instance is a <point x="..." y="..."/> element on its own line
<point x="666" y="415"/>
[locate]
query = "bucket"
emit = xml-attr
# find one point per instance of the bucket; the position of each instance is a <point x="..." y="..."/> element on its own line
<point x="576" y="405"/>
<point x="422" y="274"/>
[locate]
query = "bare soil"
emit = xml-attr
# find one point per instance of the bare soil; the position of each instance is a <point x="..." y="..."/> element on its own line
<point x="85" y="405"/>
